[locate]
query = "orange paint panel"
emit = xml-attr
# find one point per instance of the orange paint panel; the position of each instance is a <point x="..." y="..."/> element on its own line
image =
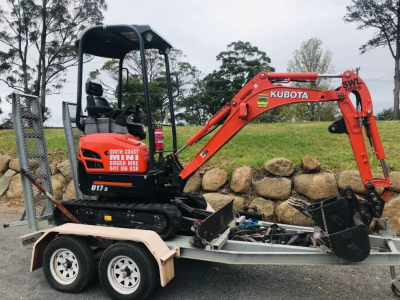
<point x="119" y="153"/>
<point x="113" y="183"/>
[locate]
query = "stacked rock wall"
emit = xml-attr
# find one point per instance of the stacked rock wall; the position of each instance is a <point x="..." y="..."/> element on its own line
<point x="268" y="188"/>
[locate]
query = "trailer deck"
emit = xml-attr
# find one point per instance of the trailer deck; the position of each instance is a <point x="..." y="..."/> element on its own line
<point x="386" y="249"/>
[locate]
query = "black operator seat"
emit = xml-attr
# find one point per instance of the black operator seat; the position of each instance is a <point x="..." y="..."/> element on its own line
<point x="97" y="105"/>
<point x="102" y="118"/>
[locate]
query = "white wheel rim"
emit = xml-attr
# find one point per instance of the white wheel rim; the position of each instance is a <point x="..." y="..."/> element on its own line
<point x="123" y="274"/>
<point x="64" y="266"/>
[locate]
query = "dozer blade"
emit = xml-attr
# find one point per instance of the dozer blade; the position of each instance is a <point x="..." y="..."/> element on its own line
<point x="351" y="244"/>
<point x="216" y="223"/>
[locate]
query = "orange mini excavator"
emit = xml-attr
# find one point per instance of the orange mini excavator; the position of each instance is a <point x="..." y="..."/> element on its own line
<point x="141" y="186"/>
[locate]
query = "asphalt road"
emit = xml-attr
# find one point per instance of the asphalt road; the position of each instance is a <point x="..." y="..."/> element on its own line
<point x="203" y="280"/>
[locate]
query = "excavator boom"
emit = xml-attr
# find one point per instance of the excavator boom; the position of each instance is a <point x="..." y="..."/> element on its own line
<point x="261" y="94"/>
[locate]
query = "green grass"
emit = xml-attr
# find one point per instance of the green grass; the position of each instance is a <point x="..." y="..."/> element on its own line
<point x="256" y="144"/>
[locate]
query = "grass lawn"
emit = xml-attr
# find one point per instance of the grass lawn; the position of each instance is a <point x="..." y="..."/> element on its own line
<point x="256" y="144"/>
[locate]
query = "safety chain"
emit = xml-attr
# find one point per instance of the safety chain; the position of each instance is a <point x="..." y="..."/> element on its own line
<point x="326" y="226"/>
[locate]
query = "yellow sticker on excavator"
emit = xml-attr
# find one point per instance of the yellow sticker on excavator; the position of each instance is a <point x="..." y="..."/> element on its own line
<point x="262" y="101"/>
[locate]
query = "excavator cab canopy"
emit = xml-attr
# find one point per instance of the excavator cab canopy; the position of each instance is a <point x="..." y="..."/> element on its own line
<point x="115" y="42"/>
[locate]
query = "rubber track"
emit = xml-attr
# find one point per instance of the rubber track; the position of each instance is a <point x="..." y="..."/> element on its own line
<point x="171" y="213"/>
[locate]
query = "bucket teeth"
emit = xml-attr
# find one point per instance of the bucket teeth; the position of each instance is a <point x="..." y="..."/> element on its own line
<point x="301" y="206"/>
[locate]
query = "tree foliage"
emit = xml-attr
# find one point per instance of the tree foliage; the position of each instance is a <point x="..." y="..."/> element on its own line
<point x="38" y="38"/>
<point x="311" y="57"/>
<point x="133" y="92"/>
<point x="7" y="123"/>
<point x="385" y="114"/>
<point x="18" y="26"/>
<point x="383" y="16"/>
<point x="61" y="23"/>
<point x="239" y="64"/>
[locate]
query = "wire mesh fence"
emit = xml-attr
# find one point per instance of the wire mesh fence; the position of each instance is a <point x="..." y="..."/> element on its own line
<point x="32" y="156"/>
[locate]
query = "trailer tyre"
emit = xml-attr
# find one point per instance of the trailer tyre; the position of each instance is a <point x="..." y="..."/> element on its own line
<point x="128" y="271"/>
<point x="68" y="264"/>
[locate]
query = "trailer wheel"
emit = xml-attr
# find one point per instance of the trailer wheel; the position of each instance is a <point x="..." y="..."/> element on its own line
<point x="68" y="264"/>
<point x="395" y="291"/>
<point x="128" y="271"/>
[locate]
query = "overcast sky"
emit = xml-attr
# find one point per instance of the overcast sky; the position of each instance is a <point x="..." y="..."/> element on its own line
<point x="202" y="29"/>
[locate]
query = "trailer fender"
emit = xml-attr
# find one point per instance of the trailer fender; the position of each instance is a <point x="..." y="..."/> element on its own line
<point x="157" y="247"/>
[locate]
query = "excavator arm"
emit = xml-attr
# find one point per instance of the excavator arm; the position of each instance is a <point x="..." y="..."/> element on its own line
<point x="343" y="220"/>
<point x="261" y="94"/>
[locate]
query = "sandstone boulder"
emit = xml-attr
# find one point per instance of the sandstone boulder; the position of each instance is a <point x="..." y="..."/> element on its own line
<point x="15" y="188"/>
<point x="353" y="179"/>
<point x="14" y="164"/>
<point x="392" y="212"/>
<point x="267" y="207"/>
<point x="273" y="188"/>
<point x="316" y="186"/>
<point x="4" y="161"/>
<point x="310" y="164"/>
<point x="69" y="192"/>
<point x="58" y="183"/>
<point x="214" y="179"/>
<point x="53" y="168"/>
<point x="280" y="167"/>
<point x="193" y="184"/>
<point x="217" y="200"/>
<point x="65" y="169"/>
<point x="289" y="215"/>
<point x="395" y="177"/>
<point x="241" y="179"/>
<point x="5" y="181"/>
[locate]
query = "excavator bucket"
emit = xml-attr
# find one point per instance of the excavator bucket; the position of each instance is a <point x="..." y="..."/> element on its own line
<point x="343" y="229"/>
<point x="351" y="244"/>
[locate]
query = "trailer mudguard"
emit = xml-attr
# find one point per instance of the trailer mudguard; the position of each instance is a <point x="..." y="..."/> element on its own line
<point x="157" y="247"/>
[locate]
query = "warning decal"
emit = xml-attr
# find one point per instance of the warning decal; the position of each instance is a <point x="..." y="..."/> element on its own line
<point x="262" y="101"/>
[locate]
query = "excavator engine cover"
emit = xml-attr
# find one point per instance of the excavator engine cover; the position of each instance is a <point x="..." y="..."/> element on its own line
<point x="113" y="153"/>
<point x="115" y="165"/>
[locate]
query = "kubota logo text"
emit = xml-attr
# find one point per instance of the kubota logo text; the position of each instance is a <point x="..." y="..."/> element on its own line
<point x="288" y="94"/>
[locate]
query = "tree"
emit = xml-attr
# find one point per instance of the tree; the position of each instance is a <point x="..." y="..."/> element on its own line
<point x="17" y="33"/>
<point x="7" y="123"/>
<point x="383" y="16"/>
<point x="194" y="104"/>
<point x="385" y="114"/>
<point x="310" y="57"/>
<point x="46" y="30"/>
<point x="239" y="64"/>
<point x="61" y="23"/>
<point x="133" y="92"/>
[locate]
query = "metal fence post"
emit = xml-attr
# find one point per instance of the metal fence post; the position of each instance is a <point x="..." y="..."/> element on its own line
<point x="72" y="137"/>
